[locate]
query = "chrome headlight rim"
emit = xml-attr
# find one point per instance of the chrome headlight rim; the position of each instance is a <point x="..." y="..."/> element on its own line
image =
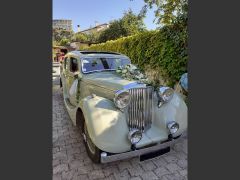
<point x="117" y="95"/>
<point x="173" y="127"/>
<point x="132" y="136"/>
<point x="166" y="93"/>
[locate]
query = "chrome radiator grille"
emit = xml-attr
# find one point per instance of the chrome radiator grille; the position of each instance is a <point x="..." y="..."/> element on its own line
<point x="140" y="108"/>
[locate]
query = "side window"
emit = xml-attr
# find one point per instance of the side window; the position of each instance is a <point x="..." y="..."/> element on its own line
<point x="73" y="65"/>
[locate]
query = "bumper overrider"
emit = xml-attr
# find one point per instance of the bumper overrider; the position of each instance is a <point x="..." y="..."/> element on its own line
<point x="105" y="158"/>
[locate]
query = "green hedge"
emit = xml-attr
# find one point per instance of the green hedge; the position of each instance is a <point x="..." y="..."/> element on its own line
<point x="163" y="51"/>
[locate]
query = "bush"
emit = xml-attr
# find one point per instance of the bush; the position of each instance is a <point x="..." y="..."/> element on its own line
<point x="64" y="42"/>
<point x="163" y="52"/>
<point x="79" y="37"/>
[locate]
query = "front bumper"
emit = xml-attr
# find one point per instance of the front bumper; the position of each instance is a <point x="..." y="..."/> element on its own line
<point x="109" y="158"/>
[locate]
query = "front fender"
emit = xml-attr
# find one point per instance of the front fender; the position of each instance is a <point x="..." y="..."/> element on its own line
<point x="107" y="126"/>
<point x="174" y="110"/>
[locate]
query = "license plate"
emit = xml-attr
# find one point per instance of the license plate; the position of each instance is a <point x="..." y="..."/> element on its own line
<point x="154" y="154"/>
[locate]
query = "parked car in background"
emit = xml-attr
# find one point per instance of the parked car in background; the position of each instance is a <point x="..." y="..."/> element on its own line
<point x="119" y="118"/>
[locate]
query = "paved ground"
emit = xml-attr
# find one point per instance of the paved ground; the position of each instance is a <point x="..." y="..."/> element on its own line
<point x="70" y="160"/>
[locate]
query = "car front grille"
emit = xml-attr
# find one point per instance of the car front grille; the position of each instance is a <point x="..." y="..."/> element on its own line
<point x="140" y="108"/>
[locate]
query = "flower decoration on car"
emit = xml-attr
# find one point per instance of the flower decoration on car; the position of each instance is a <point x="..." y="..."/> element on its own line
<point x="131" y="72"/>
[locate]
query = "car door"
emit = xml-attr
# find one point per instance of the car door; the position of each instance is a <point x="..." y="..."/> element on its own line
<point x="73" y="69"/>
<point x="64" y="71"/>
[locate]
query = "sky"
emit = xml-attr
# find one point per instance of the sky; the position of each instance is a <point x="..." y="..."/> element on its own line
<point x="86" y="12"/>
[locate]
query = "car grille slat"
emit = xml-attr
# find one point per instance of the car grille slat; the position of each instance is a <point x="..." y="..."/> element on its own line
<point x="140" y="108"/>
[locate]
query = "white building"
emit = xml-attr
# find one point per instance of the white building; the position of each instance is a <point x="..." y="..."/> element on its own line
<point x="62" y="24"/>
<point x="97" y="28"/>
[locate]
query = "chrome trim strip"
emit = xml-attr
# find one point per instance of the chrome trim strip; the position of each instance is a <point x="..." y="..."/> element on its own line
<point x="130" y="154"/>
<point x="134" y="85"/>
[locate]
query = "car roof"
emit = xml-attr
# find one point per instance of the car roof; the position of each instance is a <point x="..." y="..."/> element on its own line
<point x="97" y="54"/>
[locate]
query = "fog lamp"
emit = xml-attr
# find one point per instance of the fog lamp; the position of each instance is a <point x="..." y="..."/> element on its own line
<point x="173" y="127"/>
<point x="134" y="136"/>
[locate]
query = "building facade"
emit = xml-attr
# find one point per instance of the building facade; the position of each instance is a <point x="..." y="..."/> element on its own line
<point x="97" y="28"/>
<point x="62" y="24"/>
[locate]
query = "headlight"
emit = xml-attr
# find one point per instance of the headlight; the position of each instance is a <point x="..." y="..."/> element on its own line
<point x="166" y="93"/>
<point x="122" y="99"/>
<point x="134" y="136"/>
<point x="173" y="127"/>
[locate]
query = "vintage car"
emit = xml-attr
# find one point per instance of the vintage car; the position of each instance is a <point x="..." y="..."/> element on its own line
<point x="119" y="118"/>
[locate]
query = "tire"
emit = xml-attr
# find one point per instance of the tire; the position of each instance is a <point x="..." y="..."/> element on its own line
<point x="92" y="150"/>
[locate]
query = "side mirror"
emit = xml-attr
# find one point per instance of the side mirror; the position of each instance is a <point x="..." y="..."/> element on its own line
<point x="184" y="81"/>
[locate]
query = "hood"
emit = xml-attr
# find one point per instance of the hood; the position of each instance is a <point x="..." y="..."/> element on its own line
<point x="109" y="80"/>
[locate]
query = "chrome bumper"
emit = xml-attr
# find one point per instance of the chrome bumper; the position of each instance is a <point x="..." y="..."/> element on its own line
<point x="105" y="158"/>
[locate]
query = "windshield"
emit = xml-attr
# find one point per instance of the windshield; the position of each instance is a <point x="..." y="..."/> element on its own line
<point x="102" y="64"/>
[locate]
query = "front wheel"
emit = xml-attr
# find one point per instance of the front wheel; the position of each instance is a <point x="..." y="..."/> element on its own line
<point x="92" y="150"/>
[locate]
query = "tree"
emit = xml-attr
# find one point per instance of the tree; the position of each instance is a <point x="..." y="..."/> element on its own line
<point x="80" y="37"/>
<point x="132" y="23"/>
<point x="114" y="31"/>
<point x="93" y="37"/>
<point x="64" y="42"/>
<point x="59" y="34"/>
<point x="128" y="25"/>
<point x="167" y="11"/>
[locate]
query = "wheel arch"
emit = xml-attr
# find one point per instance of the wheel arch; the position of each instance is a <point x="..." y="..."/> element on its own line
<point x="80" y="118"/>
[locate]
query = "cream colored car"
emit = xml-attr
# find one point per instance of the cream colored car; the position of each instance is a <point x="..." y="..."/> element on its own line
<point x="119" y="118"/>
